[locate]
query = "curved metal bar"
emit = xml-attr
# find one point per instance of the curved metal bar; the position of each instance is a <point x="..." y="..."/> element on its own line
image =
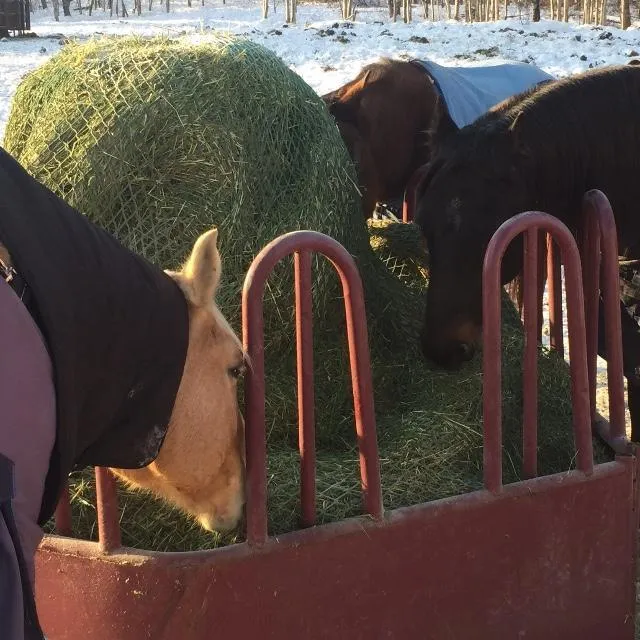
<point x="599" y="218"/>
<point x="590" y="253"/>
<point x="530" y="368"/>
<point x="531" y="222"/>
<point x="411" y="194"/>
<point x="108" y="514"/>
<point x="556" y="338"/>
<point x="253" y="341"/>
<point x="304" y="362"/>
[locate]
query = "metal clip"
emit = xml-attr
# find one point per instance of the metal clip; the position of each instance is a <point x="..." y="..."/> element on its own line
<point x="7" y="272"/>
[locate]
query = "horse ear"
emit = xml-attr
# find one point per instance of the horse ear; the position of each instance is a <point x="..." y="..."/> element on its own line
<point x="516" y="141"/>
<point x="200" y="275"/>
<point x="442" y="125"/>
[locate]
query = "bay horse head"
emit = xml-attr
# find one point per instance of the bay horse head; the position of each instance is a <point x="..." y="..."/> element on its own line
<point x="201" y="465"/>
<point x="383" y="115"/>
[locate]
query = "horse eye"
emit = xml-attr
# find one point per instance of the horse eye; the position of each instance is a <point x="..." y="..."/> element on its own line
<point x="237" y="372"/>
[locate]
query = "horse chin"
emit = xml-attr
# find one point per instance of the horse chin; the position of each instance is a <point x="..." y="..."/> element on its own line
<point x="450" y="355"/>
<point x="222" y="521"/>
<point x="452" y="358"/>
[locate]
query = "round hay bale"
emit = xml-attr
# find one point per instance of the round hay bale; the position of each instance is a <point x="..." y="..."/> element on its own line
<point x="157" y="140"/>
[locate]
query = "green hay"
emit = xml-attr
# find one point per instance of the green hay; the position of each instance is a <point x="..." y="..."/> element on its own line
<point x="159" y="140"/>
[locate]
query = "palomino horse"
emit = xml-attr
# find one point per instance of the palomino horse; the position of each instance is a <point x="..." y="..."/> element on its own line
<point x="385" y="113"/>
<point x="542" y="150"/>
<point x="200" y="466"/>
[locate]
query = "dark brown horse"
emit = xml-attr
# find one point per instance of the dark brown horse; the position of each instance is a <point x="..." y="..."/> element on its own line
<point x="383" y="116"/>
<point x="542" y="150"/>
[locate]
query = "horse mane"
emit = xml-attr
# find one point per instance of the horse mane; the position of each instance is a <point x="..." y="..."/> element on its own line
<point x="559" y="124"/>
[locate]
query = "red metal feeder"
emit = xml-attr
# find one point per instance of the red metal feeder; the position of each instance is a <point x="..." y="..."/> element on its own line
<point x="549" y="557"/>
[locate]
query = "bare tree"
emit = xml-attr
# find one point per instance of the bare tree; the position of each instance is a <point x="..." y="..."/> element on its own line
<point x="347" y="9"/>
<point x="625" y="15"/>
<point x="291" y="9"/>
<point x="406" y="11"/>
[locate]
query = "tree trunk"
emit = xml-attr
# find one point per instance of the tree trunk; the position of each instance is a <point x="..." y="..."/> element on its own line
<point x="56" y="9"/>
<point x="66" y="7"/>
<point x="456" y="10"/>
<point x="406" y="11"/>
<point x="625" y="15"/>
<point x="536" y="10"/>
<point x="565" y="11"/>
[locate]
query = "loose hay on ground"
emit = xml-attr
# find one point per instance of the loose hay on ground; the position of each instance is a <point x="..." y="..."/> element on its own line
<point x="157" y="140"/>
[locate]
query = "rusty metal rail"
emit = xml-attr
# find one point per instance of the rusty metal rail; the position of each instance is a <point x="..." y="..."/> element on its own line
<point x="302" y="244"/>
<point x="599" y="254"/>
<point x="411" y="194"/>
<point x="530" y="223"/>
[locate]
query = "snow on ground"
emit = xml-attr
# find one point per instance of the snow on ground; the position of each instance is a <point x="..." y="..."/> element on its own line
<point x="327" y="61"/>
<point x="327" y="52"/>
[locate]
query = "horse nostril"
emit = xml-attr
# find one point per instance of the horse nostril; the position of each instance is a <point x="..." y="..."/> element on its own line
<point x="466" y="350"/>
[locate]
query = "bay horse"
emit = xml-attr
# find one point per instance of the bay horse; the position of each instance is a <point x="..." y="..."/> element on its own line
<point x="106" y="361"/>
<point x="383" y="116"/>
<point x="540" y="150"/>
<point x="385" y="113"/>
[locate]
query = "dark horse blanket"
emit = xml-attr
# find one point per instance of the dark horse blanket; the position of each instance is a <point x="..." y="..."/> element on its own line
<point x="116" y="328"/>
<point x="469" y="92"/>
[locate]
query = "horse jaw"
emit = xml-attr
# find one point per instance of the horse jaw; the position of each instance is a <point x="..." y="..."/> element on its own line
<point x="200" y="466"/>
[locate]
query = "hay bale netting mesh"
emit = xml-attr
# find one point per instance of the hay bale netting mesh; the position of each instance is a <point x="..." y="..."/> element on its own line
<point x="158" y="140"/>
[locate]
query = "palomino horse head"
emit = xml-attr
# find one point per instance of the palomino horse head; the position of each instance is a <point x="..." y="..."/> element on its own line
<point x="200" y="466"/>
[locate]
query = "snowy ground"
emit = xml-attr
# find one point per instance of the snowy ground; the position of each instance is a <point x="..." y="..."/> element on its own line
<point x="327" y="52"/>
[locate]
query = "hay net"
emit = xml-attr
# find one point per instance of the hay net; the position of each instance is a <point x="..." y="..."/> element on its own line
<point x="157" y="140"/>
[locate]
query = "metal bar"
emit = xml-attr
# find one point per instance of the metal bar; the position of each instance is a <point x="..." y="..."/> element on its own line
<point x="530" y="362"/>
<point x="590" y="250"/>
<point x="492" y="361"/>
<point x="253" y="341"/>
<point x="411" y="194"/>
<point x="554" y="280"/>
<point x="107" y="505"/>
<point x="598" y="209"/>
<point x="304" y="360"/>
<point x="541" y="260"/>
<point x="63" y="523"/>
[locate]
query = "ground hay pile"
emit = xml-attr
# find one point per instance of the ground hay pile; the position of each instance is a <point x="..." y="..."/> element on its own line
<point x="159" y="140"/>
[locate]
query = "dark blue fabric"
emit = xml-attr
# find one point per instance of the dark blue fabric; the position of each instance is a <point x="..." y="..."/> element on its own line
<point x="469" y="92"/>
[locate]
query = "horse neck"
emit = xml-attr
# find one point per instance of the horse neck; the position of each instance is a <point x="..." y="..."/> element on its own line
<point x="555" y="169"/>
